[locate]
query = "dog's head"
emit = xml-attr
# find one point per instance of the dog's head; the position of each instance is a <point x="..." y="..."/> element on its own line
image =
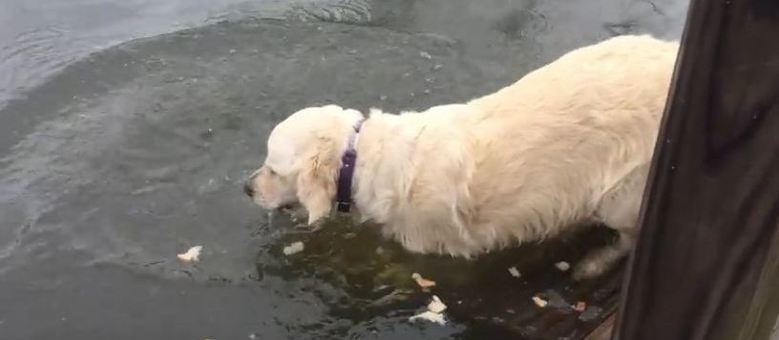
<point x="303" y="159"/>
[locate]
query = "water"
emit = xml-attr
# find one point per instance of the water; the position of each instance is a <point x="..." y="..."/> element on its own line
<point x="116" y="154"/>
<point x="41" y="37"/>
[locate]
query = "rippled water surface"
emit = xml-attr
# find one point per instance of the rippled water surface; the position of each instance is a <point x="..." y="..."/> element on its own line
<point x="127" y="128"/>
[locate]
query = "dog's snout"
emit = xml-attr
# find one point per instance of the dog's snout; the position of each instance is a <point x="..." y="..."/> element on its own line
<point x="248" y="189"/>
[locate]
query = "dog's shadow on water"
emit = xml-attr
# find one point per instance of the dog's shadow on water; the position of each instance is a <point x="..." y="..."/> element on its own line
<point x="374" y="275"/>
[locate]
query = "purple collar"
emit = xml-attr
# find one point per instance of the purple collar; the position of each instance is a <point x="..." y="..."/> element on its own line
<point x="345" y="175"/>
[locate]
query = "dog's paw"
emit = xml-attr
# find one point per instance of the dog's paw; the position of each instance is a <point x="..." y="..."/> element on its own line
<point x="295" y="214"/>
<point x="309" y="228"/>
<point x="601" y="260"/>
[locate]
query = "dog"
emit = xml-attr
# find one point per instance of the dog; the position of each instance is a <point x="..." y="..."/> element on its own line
<point x="567" y="145"/>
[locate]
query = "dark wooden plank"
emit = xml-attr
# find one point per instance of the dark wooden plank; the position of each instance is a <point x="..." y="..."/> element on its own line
<point x="711" y="208"/>
<point x="603" y="332"/>
<point x="761" y="318"/>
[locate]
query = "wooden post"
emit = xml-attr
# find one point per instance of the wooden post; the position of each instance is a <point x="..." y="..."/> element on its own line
<point x="706" y="263"/>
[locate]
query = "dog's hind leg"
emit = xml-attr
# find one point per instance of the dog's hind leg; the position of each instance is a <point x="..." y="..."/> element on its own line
<point x="600" y="260"/>
<point x="618" y="210"/>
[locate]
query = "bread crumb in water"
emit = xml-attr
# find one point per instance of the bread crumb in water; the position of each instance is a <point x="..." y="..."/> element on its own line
<point x="514" y="272"/>
<point x="562" y="266"/>
<point x="422" y="282"/>
<point x="294" y="248"/>
<point x="429" y="316"/>
<point x="436" y="306"/>
<point x="192" y="255"/>
<point x="540" y="302"/>
<point x="434" y="312"/>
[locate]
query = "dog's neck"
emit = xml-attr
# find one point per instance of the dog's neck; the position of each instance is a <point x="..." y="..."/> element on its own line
<point x="346" y="173"/>
<point x="385" y="146"/>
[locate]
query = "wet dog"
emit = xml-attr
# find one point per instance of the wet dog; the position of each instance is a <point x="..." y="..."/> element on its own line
<point x="568" y="144"/>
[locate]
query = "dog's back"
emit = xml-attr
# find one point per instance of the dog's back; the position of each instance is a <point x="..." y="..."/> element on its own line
<point x="550" y="148"/>
<point x="568" y="143"/>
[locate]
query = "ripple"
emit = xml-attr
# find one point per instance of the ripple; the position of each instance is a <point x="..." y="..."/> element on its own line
<point x="32" y="56"/>
<point x="342" y="11"/>
<point x="135" y="153"/>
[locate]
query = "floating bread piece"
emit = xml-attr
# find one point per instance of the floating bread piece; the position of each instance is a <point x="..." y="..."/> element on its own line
<point x="514" y="272"/>
<point x="580" y="306"/>
<point x="294" y="248"/>
<point x="540" y="302"/>
<point x="192" y="255"/>
<point x="429" y="316"/>
<point x="436" y="306"/>
<point x="563" y="266"/>
<point x="421" y="281"/>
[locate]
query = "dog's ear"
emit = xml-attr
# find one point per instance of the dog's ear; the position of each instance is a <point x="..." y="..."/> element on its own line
<point x="316" y="181"/>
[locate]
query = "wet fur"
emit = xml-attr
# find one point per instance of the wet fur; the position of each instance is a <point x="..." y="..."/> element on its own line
<point x="568" y="144"/>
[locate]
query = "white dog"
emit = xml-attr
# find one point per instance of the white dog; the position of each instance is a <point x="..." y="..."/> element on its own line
<point x="566" y="145"/>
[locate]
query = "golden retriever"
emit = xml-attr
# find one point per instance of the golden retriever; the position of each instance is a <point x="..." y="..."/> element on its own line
<point x="568" y="144"/>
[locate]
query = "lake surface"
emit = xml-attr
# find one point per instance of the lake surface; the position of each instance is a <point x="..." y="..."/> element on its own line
<point x="128" y="127"/>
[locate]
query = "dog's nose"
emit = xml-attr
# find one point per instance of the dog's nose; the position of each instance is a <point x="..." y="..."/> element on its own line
<point x="247" y="188"/>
